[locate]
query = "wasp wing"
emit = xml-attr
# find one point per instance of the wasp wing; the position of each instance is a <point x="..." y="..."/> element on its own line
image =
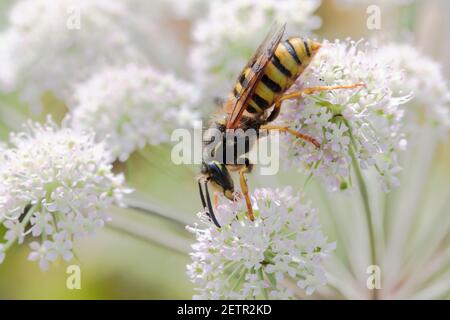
<point x="254" y="69"/>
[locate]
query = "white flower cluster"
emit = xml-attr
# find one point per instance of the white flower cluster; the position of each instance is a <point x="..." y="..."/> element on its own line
<point x="55" y="186"/>
<point x="231" y="30"/>
<point x="423" y="77"/>
<point x="49" y="44"/>
<point x="131" y="106"/>
<point x="364" y="122"/>
<point x="250" y="259"/>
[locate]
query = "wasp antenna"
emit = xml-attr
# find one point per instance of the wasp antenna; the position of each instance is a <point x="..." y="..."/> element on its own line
<point x="210" y="207"/>
<point x="202" y="197"/>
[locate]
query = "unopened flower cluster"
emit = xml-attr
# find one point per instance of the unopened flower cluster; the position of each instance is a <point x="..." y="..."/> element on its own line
<point x="423" y="77"/>
<point x="45" y="40"/>
<point x="132" y="106"/>
<point x="231" y="30"/>
<point x="253" y="259"/>
<point x="55" y="186"/>
<point x="363" y="123"/>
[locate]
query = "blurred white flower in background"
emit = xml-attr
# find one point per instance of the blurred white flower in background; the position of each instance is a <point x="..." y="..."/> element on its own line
<point x="423" y="77"/>
<point x="43" y="50"/>
<point x="190" y="9"/>
<point x="365" y="3"/>
<point x="231" y="30"/>
<point x="251" y="259"/>
<point x="364" y="122"/>
<point x="55" y="186"/>
<point x="133" y="106"/>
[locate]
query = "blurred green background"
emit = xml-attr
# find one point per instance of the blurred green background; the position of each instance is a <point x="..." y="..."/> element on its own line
<point x="117" y="265"/>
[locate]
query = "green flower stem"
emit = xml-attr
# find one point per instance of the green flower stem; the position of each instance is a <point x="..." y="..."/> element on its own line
<point x="141" y="204"/>
<point x="24" y="223"/>
<point x="240" y="279"/>
<point x="234" y="272"/>
<point x="173" y="220"/>
<point x="151" y="235"/>
<point x="261" y="276"/>
<point x="365" y="200"/>
<point x="368" y="211"/>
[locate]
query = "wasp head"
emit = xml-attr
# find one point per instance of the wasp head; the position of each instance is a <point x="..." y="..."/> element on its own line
<point x="219" y="177"/>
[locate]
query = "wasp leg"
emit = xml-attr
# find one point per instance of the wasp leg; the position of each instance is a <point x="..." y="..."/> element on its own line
<point x="310" y="90"/>
<point x="244" y="189"/>
<point x="202" y="197"/>
<point x="210" y="207"/>
<point x="293" y="132"/>
<point x="295" y="95"/>
<point x="298" y="94"/>
<point x="275" y="112"/>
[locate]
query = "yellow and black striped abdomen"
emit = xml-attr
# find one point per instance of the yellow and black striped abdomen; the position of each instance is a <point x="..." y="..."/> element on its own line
<point x="289" y="60"/>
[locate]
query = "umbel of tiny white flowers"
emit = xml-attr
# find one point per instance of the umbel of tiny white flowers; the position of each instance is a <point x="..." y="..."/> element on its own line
<point x="253" y="259"/>
<point x="48" y="45"/>
<point x="359" y="127"/>
<point x="423" y="76"/>
<point x="55" y="186"/>
<point x="132" y="106"/>
<point x="230" y="32"/>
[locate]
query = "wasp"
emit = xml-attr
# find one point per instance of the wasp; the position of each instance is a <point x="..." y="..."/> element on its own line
<point x="255" y="102"/>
